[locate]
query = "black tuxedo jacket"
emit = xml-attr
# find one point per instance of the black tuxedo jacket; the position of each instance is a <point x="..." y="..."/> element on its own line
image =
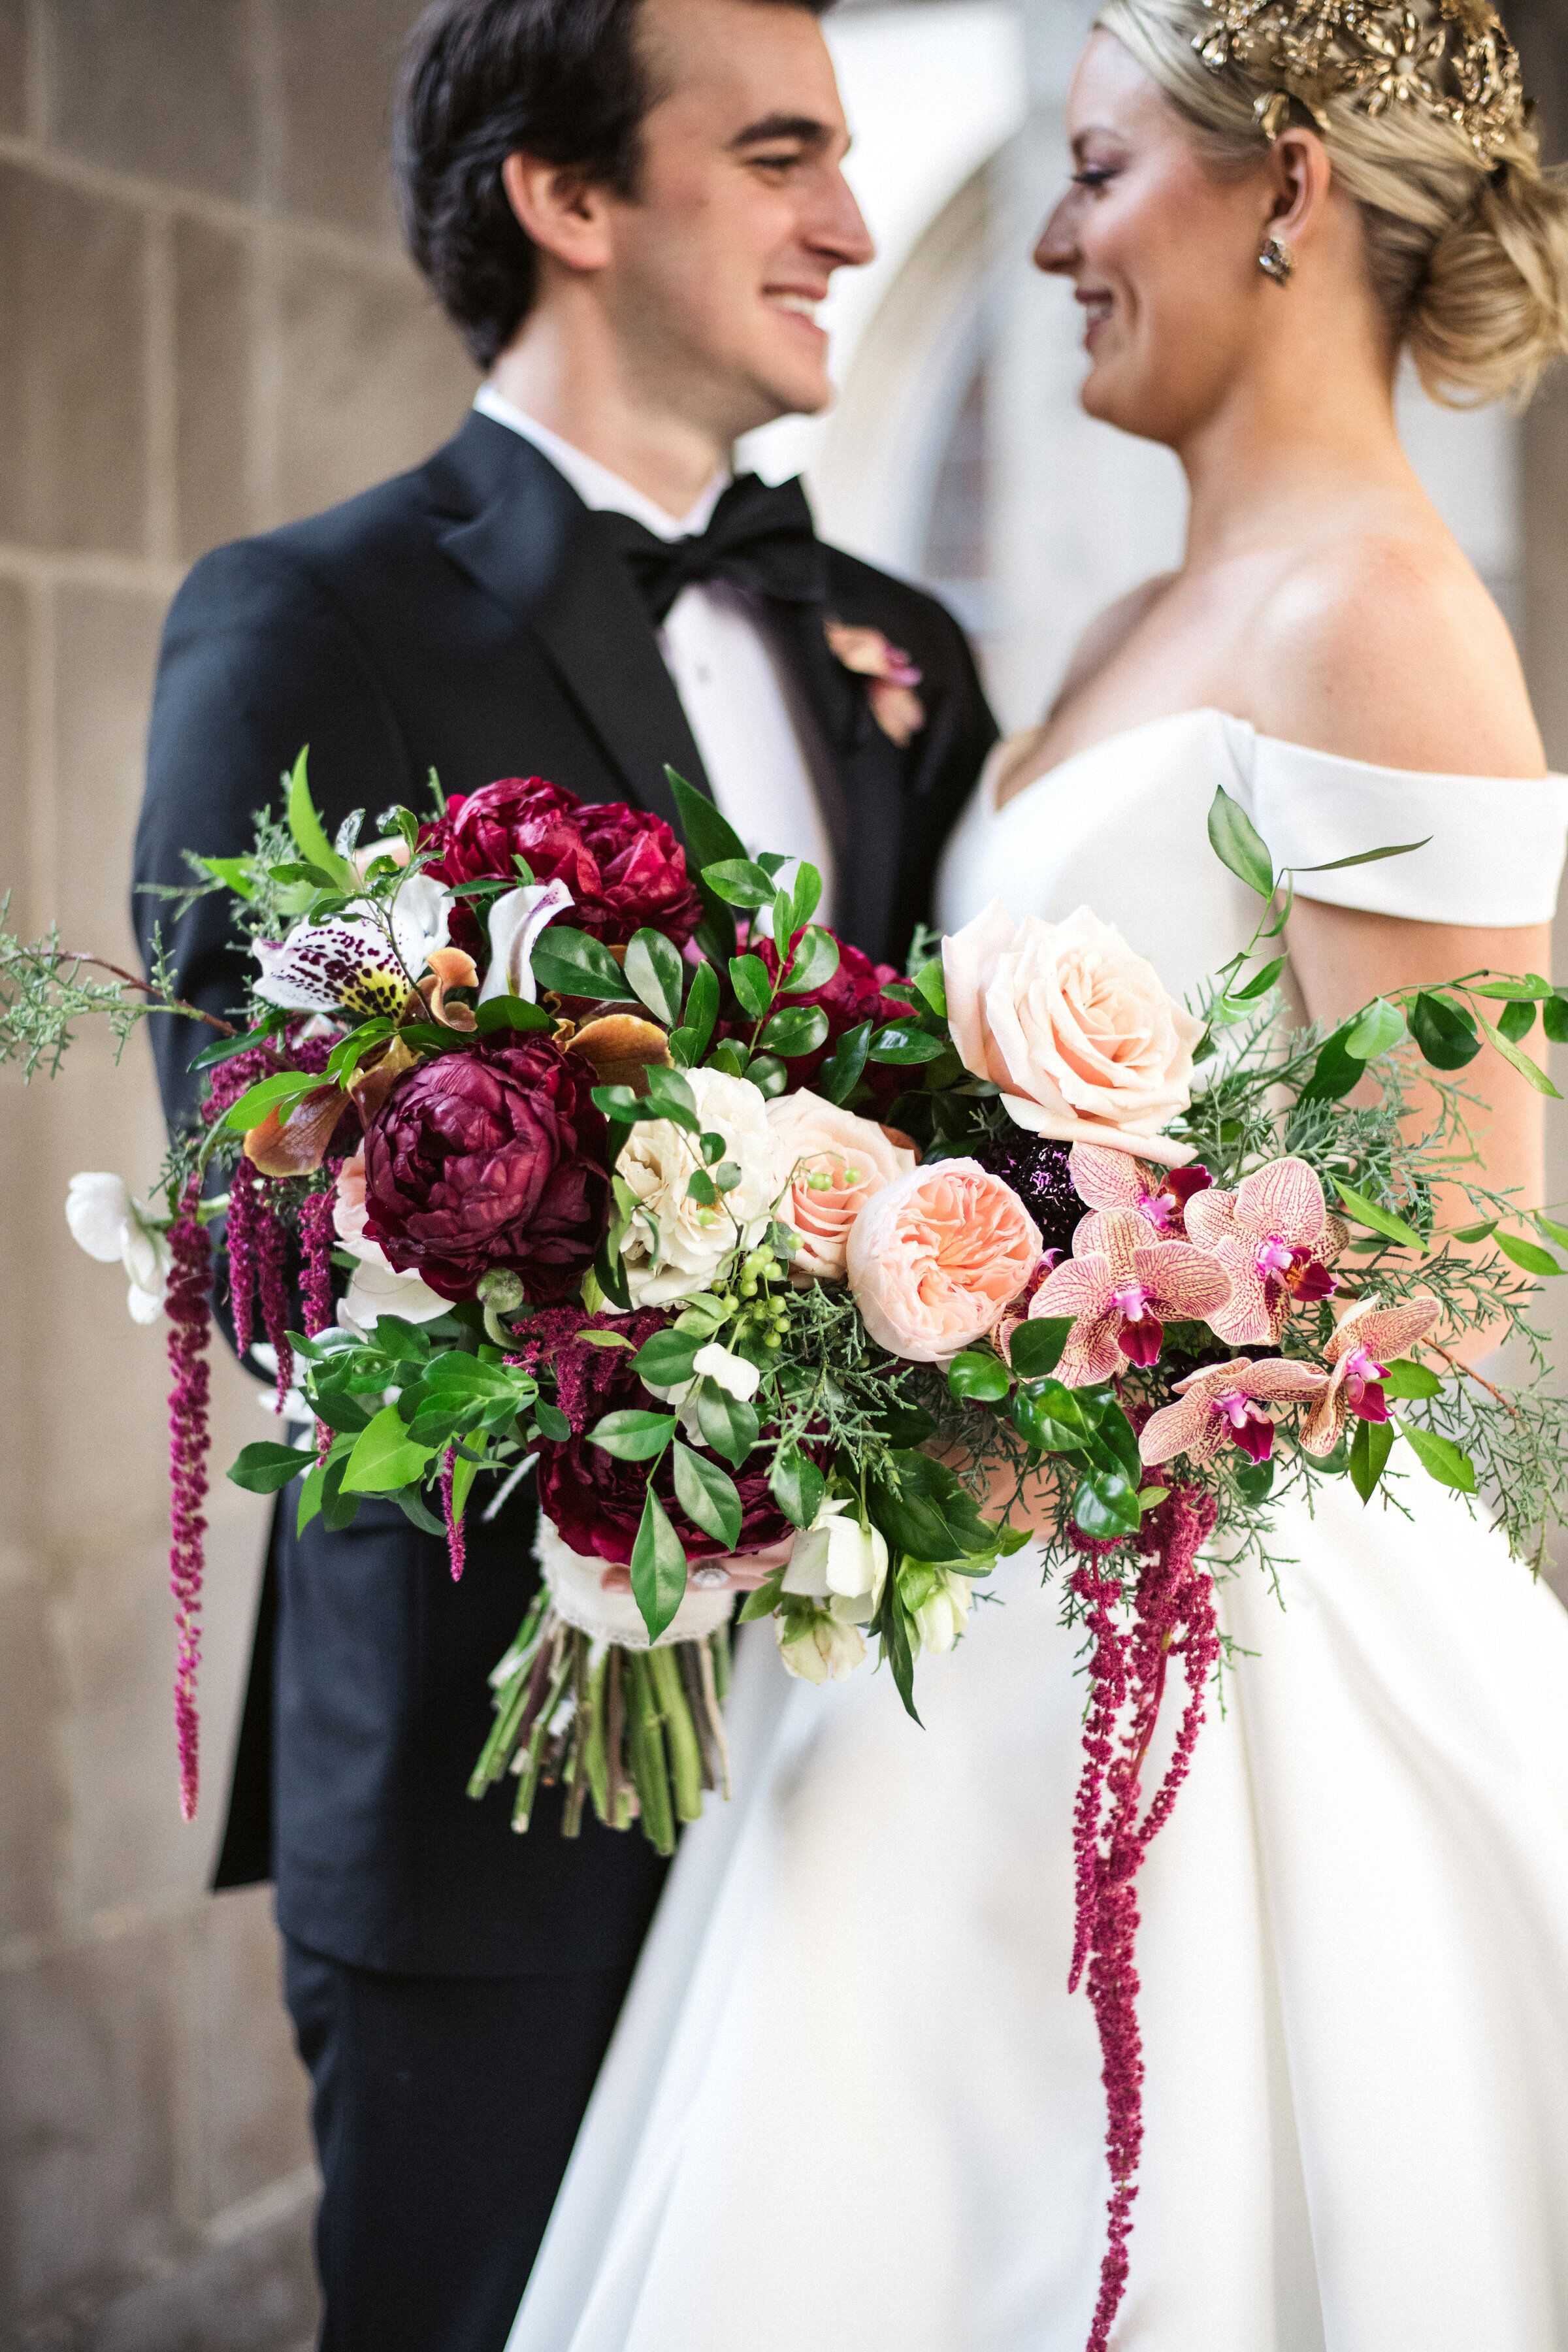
<point x="466" y="617"/>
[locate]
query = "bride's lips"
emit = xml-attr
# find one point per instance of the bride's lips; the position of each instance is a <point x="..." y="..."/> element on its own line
<point x="1098" y="307"/>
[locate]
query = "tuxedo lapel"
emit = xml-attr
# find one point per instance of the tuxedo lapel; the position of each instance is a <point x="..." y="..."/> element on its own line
<point x="528" y="541"/>
<point x="863" y="797"/>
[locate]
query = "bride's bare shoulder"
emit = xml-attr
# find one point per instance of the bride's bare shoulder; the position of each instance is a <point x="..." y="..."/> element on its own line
<point x="1386" y="646"/>
<point x="1105" y="636"/>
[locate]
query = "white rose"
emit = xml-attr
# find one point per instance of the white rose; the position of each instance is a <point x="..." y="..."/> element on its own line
<point x="107" y="1224"/>
<point x="675" y="1245"/>
<point x="838" y="1561"/>
<point x="942" y="1615"/>
<point x="1078" y="1031"/>
<point x="375" y="1287"/>
<point x="817" y="1646"/>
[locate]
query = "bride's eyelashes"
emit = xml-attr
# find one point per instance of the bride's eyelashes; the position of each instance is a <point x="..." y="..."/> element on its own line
<point x="1093" y="175"/>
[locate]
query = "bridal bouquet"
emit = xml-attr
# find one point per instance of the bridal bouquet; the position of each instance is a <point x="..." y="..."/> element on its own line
<point x="544" y="1142"/>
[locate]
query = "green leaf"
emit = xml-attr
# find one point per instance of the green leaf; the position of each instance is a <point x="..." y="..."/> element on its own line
<point x="337" y="1409"/>
<point x="1236" y="842"/>
<point x="709" y="838"/>
<point x="571" y="963"/>
<point x="553" y="1422"/>
<point x="509" y="1013"/>
<point x="797" y="1486"/>
<point x="226" y="1049"/>
<point x="267" y="1468"/>
<point x="922" y="1509"/>
<point x="805" y="899"/>
<point x="1530" y="1071"/>
<point x="667" y="1358"/>
<point x="1482" y="1232"/>
<point x="413" y="1508"/>
<point x="669" y="1097"/>
<point x="1106" y="1506"/>
<point x="701" y="1189"/>
<point x="1445" y="1030"/>
<point x="729" y="1055"/>
<point x="1380" y="1220"/>
<point x="901" y="1045"/>
<point x="1035" y="1346"/>
<point x="1551" y="1229"/>
<point x="840" y="1074"/>
<point x="1441" y="1458"/>
<point x="1530" y="1256"/>
<point x="707" y="1496"/>
<point x="748" y="979"/>
<point x="1381" y="1028"/>
<point x="1554" y="1019"/>
<point x="728" y="1423"/>
<point x="309" y="838"/>
<point x="814" y="962"/>
<point x="1369" y="1450"/>
<point x="1260" y="983"/>
<point x="1405" y="1378"/>
<point x="1052" y="1417"/>
<point x="654" y="967"/>
<point x="633" y="1436"/>
<point x="270" y="1094"/>
<point x="739" y="882"/>
<point x="658" y="1568"/>
<point x="931" y="986"/>
<point x="1336" y="1072"/>
<point x="1511" y="991"/>
<point x="689" y="1043"/>
<point x="233" y="873"/>
<point x="1118" y="1436"/>
<point x="1255" y="1482"/>
<point x="763" y="1602"/>
<point x="384" y="1457"/>
<point x="1516" y="1020"/>
<point x="798" y="1029"/>
<point x="767" y="1074"/>
<point x="975" y="1378"/>
<point x="1365" y="857"/>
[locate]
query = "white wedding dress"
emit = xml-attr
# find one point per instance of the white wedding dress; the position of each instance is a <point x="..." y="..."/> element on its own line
<point x="851" y="2106"/>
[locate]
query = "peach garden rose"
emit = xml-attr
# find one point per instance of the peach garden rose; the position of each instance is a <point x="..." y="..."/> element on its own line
<point x="837" y="1161"/>
<point x="937" y="1255"/>
<point x="1080" y="1034"/>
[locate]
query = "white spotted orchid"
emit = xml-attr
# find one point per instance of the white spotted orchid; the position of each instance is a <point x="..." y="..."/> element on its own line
<point x="350" y="963"/>
<point x="1226" y="1404"/>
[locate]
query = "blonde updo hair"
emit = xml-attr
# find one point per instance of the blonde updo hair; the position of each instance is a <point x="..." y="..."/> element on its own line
<point x="1469" y="260"/>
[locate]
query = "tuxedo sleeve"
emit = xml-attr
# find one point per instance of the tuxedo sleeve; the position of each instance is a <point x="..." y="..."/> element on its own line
<point x="257" y="660"/>
<point x="948" y="765"/>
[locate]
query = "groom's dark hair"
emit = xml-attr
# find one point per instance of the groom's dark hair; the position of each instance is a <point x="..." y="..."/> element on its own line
<point x="483" y="79"/>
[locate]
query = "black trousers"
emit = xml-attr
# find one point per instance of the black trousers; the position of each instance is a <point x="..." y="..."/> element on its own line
<point x="445" y="2112"/>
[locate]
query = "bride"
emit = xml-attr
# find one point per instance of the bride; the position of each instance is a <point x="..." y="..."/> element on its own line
<point x="851" y="2106"/>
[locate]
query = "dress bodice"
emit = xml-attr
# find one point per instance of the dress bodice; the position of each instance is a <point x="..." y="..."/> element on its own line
<point x="1121" y="827"/>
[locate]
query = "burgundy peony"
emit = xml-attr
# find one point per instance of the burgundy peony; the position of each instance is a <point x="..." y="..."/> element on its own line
<point x="594" y="1500"/>
<point x="623" y="868"/>
<point x="493" y="1156"/>
<point x="853" y="994"/>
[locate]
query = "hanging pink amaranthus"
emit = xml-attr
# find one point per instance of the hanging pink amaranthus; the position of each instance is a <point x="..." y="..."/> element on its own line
<point x="245" y="1210"/>
<point x="1171" y="1617"/>
<point x="316" y="1279"/>
<point x="190" y="1322"/>
<point x="457" y="1539"/>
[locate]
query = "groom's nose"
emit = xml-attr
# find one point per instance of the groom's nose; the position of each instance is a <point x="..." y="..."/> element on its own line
<point x="835" y="230"/>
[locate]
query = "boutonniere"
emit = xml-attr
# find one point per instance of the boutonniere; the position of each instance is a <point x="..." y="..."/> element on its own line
<point x="891" y="678"/>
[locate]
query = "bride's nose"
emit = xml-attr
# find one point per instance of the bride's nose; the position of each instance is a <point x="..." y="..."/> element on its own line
<point x="1057" y="251"/>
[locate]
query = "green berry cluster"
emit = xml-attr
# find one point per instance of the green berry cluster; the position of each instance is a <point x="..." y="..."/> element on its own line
<point x="759" y="1296"/>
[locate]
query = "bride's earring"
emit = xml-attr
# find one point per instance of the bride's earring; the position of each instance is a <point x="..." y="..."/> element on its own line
<point x="1278" y="260"/>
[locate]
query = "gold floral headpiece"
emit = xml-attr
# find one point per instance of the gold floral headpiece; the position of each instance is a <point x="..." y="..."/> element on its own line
<point x="1457" y="65"/>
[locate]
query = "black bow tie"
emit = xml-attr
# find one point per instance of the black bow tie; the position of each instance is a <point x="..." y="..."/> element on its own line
<point x="759" y="539"/>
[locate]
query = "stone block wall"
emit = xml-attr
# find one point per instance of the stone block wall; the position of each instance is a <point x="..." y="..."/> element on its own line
<point x="206" y="328"/>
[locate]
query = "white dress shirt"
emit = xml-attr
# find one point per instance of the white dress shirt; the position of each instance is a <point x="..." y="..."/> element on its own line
<point x="739" y="703"/>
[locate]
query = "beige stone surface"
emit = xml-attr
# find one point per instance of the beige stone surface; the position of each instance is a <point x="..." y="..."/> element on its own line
<point x="167" y="89"/>
<point x="337" y="67"/>
<point x="214" y="385"/>
<point x="73" y="412"/>
<point x="12" y="65"/>
<point x="371" y="379"/>
<point x="251" y="2097"/>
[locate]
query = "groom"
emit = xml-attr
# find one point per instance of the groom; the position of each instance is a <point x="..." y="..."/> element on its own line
<point x="630" y="209"/>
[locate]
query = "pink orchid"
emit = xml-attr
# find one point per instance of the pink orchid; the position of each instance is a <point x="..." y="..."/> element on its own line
<point x="1361" y="1352"/>
<point x="891" y="678"/>
<point x="1273" y="1237"/>
<point x="1114" y="1180"/>
<point x="1122" y="1286"/>
<point x="1225" y="1405"/>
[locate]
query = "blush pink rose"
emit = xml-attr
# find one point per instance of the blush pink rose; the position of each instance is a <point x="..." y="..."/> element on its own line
<point x="837" y="1161"/>
<point x="936" y="1256"/>
<point x="1078" y="1031"/>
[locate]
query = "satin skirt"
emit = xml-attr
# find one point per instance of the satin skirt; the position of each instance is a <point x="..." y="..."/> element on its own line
<point x="851" y="2106"/>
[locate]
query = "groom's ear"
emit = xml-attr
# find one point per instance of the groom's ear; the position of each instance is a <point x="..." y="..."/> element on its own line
<point x="561" y="212"/>
<point x="1299" y="177"/>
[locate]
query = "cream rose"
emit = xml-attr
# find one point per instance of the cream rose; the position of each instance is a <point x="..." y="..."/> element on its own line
<point x="675" y="1244"/>
<point x="1080" y="1034"/>
<point x="833" y="1162"/>
<point x="375" y="1287"/>
<point x="937" y="1255"/>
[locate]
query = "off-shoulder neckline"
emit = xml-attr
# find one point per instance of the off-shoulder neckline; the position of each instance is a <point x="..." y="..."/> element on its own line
<point x="1232" y="726"/>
